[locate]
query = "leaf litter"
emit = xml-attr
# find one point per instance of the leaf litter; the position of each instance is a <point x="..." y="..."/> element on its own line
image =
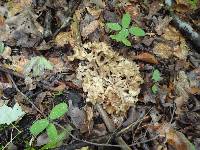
<point x="147" y="84"/>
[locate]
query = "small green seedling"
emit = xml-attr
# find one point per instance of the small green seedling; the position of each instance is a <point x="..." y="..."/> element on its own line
<point x="47" y="123"/>
<point x="156" y="77"/>
<point x="124" y="30"/>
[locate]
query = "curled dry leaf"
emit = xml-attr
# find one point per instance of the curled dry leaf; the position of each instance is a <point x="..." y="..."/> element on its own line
<point x="176" y="45"/>
<point x="175" y="138"/>
<point x="146" y="57"/>
<point x="91" y="27"/>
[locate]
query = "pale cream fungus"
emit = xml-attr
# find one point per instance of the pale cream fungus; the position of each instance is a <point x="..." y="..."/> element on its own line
<point x="107" y="78"/>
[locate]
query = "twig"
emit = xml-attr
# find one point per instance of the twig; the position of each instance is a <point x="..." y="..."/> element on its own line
<point x="23" y="95"/>
<point x="110" y="126"/>
<point x="12" y="138"/>
<point x="184" y="27"/>
<point x="106" y="119"/>
<point x="93" y="141"/>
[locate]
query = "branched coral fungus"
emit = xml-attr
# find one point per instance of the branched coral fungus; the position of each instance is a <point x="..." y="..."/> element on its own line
<point x="107" y="78"/>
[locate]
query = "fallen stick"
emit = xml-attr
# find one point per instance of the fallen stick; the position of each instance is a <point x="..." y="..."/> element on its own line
<point x="109" y="124"/>
<point x="185" y="28"/>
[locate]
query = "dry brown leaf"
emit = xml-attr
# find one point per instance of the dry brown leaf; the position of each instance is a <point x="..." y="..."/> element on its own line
<point x="162" y="24"/>
<point x="58" y="64"/>
<point x="176" y="45"/>
<point x="184" y="6"/>
<point x="7" y="53"/>
<point x="133" y="10"/>
<point x="16" y="6"/>
<point x="146" y="57"/>
<point x="64" y="38"/>
<point x="94" y="12"/>
<point x="2" y="21"/>
<point x="89" y="117"/>
<point x="18" y="63"/>
<point x="60" y="87"/>
<point x="175" y="138"/>
<point x="99" y="3"/>
<point x="4" y="86"/>
<point x="182" y="87"/>
<point x="78" y="117"/>
<point x="154" y="7"/>
<point x="91" y="27"/>
<point x="194" y="90"/>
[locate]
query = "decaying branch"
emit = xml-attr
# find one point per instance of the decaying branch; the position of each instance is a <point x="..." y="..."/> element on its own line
<point x="184" y="27"/>
<point x="110" y="126"/>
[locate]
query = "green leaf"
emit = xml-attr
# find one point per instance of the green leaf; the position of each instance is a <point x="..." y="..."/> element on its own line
<point x="126" y="42"/>
<point x="37" y="65"/>
<point x="154" y="88"/>
<point x="52" y="132"/>
<point x="114" y="26"/>
<point x="115" y="37"/>
<point x="39" y="126"/>
<point x="58" y="111"/>
<point x="137" y="31"/>
<point x="193" y="3"/>
<point x="9" y="115"/>
<point x="126" y="20"/>
<point x="1" y="47"/>
<point x="123" y="34"/>
<point x="156" y="75"/>
<point x="62" y="136"/>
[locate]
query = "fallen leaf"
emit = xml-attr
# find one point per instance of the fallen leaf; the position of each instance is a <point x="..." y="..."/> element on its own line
<point x="154" y="7"/>
<point x="146" y="57"/>
<point x="91" y="27"/>
<point x="23" y="29"/>
<point x="180" y="101"/>
<point x="61" y="87"/>
<point x="64" y="38"/>
<point x="6" y="54"/>
<point x="175" y="138"/>
<point x="16" y="6"/>
<point x="9" y="115"/>
<point x="2" y="21"/>
<point x="99" y="3"/>
<point x="162" y="24"/>
<point x="78" y="117"/>
<point x="182" y="87"/>
<point x="174" y="44"/>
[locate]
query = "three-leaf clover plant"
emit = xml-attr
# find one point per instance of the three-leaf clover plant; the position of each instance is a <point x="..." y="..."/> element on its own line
<point x="124" y="30"/>
<point x="47" y="123"/>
